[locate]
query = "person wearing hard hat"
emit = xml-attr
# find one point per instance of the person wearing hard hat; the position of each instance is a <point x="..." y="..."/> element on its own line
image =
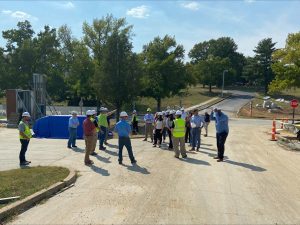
<point x="159" y="126"/>
<point x="183" y="113"/>
<point x="123" y="129"/>
<point x="178" y="132"/>
<point x="169" y="124"/>
<point x="222" y="129"/>
<point x="90" y="135"/>
<point x="197" y="123"/>
<point x="134" y="122"/>
<point x="103" y="126"/>
<point x="149" y="119"/>
<point x="95" y="121"/>
<point x="24" y="135"/>
<point x="72" y="127"/>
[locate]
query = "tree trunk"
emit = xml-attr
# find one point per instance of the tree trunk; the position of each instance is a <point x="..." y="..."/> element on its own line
<point x="158" y="104"/>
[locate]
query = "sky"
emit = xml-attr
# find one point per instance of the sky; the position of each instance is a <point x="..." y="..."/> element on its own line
<point x="190" y="22"/>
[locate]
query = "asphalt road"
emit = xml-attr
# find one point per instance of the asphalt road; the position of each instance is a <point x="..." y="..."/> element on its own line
<point x="258" y="183"/>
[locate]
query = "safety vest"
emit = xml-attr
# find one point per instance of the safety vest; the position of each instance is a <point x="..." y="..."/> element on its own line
<point x="134" y="117"/>
<point x="27" y="131"/>
<point x="179" y="129"/>
<point x="92" y="120"/>
<point x="102" y="120"/>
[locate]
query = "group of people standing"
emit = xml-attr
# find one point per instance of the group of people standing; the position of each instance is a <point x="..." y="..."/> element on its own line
<point x="183" y="127"/>
<point x="179" y="126"/>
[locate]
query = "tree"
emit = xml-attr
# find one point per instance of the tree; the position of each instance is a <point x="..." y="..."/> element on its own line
<point x="286" y="65"/>
<point x="117" y="72"/>
<point x="164" y="71"/>
<point x="251" y="72"/>
<point x="263" y="56"/>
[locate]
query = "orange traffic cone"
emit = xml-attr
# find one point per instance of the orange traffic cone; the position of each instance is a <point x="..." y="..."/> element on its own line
<point x="273" y="137"/>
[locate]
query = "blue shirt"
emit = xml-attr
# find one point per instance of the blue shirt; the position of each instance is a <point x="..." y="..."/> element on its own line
<point x="221" y="122"/>
<point x="198" y="120"/>
<point x="149" y="118"/>
<point x="73" y="122"/>
<point x="123" y="128"/>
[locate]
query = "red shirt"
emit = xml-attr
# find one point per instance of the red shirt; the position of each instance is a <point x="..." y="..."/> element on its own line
<point x="88" y="127"/>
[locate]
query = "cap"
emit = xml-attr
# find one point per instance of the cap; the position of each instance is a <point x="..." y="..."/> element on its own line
<point x="73" y="113"/>
<point x="178" y="113"/>
<point x="26" y="114"/>
<point x="148" y="110"/>
<point x="123" y="114"/>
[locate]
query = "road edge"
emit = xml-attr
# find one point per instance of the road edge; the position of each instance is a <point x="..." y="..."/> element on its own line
<point x="28" y="202"/>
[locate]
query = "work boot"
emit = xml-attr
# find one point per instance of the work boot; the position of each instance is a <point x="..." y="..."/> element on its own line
<point x="25" y="163"/>
<point x="133" y="161"/>
<point x="102" y="148"/>
<point x="93" y="154"/>
<point x="192" y="149"/>
<point x="220" y="160"/>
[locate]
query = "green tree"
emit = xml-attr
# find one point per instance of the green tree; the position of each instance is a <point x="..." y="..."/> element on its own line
<point x="286" y="65"/>
<point x="164" y="71"/>
<point x="251" y="72"/>
<point x="263" y="55"/>
<point x="117" y="72"/>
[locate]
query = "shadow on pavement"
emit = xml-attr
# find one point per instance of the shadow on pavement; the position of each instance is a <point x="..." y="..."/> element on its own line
<point x="248" y="166"/>
<point x="112" y="146"/>
<point x="208" y="149"/>
<point x="195" y="161"/>
<point x="103" y="159"/>
<point x="206" y="144"/>
<point x="111" y="152"/>
<point x="137" y="168"/>
<point x="81" y="150"/>
<point x="99" y="170"/>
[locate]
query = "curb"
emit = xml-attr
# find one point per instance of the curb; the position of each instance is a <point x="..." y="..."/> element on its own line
<point x="28" y="202"/>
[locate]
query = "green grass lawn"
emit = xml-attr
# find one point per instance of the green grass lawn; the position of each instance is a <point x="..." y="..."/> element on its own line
<point x="27" y="181"/>
<point x="189" y="97"/>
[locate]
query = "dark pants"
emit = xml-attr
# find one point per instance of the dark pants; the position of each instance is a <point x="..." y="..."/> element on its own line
<point x="158" y="136"/>
<point x="125" y="141"/>
<point x="24" y="146"/>
<point x="72" y="137"/>
<point x="170" y="138"/>
<point x="188" y="135"/>
<point x="164" y="133"/>
<point x="221" y="138"/>
<point x="196" y="141"/>
<point x="102" y="136"/>
<point x="135" y="127"/>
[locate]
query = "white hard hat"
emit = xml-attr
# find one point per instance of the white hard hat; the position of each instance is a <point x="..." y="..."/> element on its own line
<point x="26" y="114"/>
<point x="178" y="113"/>
<point x="172" y="112"/>
<point x="73" y="113"/>
<point x="123" y="114"/>
<point x="163" y="112"/>
<point x="134" y="111"/>
<point x="89" y="112"/>
<point x="160" y="113"/>
<point x="182" y="109"/>
<point x="93" y="112"/>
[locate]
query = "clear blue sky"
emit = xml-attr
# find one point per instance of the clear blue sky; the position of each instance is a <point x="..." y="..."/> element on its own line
<point x="191" y="22"/>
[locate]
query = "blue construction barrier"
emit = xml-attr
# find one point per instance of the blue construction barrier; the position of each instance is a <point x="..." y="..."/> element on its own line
<point x="56" y="127"/>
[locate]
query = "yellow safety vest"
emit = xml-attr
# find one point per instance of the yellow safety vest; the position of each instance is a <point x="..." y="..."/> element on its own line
<point x="102" y="120"/>
<point x="27" y="131"/>
<point x="179" y="129"/>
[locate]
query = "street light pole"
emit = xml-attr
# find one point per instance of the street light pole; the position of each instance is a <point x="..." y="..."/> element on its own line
<point x="225" y="71"/>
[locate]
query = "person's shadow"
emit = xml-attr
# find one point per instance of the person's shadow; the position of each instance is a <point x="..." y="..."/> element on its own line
<point x="80" y="150"/>
<point x="103" y="159"/>
<point x="99" y="170"/>
<point x="195" y="161"/>
<point x="111" y="152"/>
<point x="137" y="168"/>
<point x="112" y="146"/>
<point x="246" y="165"/>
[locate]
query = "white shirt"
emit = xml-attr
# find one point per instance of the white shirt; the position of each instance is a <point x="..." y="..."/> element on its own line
<point x="159" y="124"/>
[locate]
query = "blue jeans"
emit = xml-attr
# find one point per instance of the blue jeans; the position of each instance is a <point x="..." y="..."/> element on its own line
<point x="72" y="137"/>
<point x="196" y="141"/>
<point x="125" y="141"/>
<point x="102" y="136"/>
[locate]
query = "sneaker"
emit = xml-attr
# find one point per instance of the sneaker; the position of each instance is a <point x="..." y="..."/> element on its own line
<point x="93" y="154"/>
<point x="74" y="146"/>
<point x="133" y="161"/>
<point x="106" y="143"/>
<point x="102" y="148"/>
<point x="192" y="149"/>
<point x="185" y="156"/>
<point x="216" y="157"/>
<point x="176" y="156"/>
<point x="24" y="163"/>
<point x="27" y="161"/>
<point x="69" y="147"/>
<point x="198" y="150"/>
<point x="88" y="163"/>
<point x="120" y="162"/>
<point x="220" y="160"/>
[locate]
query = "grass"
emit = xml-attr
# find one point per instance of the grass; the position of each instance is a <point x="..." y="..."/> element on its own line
<point x="188" y="97"/>
<point x="285" y="110"/>
<point x="27" y="181"/>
